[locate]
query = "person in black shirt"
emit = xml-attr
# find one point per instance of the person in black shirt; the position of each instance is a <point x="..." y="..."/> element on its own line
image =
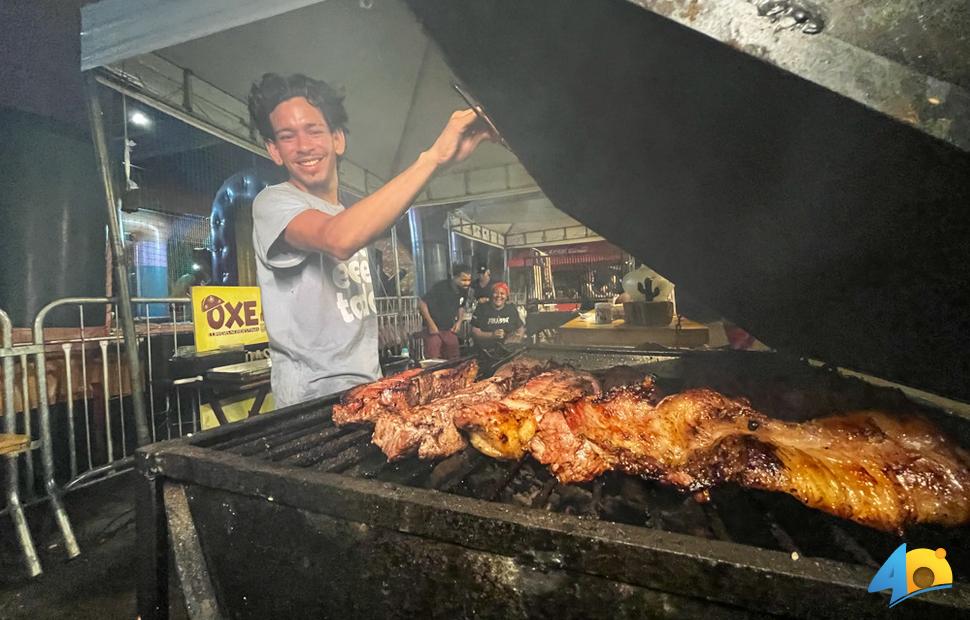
<point x="481" y="290"/>
<point x="443" y="310"/>
<point x="497" y="322"/>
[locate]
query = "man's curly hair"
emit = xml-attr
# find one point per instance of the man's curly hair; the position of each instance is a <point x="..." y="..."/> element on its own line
<point x="273" y="89"/>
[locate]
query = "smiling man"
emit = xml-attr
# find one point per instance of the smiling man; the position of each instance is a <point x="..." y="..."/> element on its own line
<point x="318" y="297"/>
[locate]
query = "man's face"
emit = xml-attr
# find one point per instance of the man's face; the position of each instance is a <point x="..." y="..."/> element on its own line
<point x="463" y="280"/>
<point x="485" y="277"/>
<point x="499" y="297"/>
<point x="305" y="145"/>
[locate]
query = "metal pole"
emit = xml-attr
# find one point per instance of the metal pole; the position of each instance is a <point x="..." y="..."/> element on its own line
<point x="13" y="477"/>
<point x="397" y="262"/>
<point x="71" y="442"/>
<point x="451" y="245"/>
<point x="96" y="119"/>
<point x="417" y="252"/>
<point x="28" y="424"/>
<point x="106" y="395"/>
<point x="47" y="455"/>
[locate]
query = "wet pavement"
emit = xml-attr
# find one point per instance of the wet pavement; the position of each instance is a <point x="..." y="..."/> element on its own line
<point x="100" y="583"/>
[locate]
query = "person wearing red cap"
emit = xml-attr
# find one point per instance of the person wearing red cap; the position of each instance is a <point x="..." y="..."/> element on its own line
<point x="497" y="322"/>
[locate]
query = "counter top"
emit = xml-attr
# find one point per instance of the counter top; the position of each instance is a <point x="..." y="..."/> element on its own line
<point x="579" y="332"/>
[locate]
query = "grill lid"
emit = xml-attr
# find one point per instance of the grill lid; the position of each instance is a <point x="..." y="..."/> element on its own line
<point x="784" y="200"/>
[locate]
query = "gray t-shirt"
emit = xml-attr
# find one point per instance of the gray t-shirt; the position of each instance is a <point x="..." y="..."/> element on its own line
<point x="319" y="311"/>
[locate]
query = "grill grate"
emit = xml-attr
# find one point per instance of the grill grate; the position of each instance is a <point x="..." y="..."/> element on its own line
<point x="308" y="439"/>
<point x="733" y="514"/>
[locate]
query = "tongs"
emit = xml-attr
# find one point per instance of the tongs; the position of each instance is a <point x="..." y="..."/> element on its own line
<point x="480" y="112"/>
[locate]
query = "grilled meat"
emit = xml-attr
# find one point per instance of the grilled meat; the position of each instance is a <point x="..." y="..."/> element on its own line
<point x="879" y="470"/>
<point x="521" y="369"/>
<point x="503" y="429"/>
<point x="885" y="471"/>
<point x="366" y="403"/>
<point x="359" y="404"/>
<point x="622" y="376"/>
<point x="430" y="431"/>
<point x="570" y="457"/>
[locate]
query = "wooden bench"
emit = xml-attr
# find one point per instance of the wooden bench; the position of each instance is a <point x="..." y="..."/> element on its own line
<point x="13" y="444"/>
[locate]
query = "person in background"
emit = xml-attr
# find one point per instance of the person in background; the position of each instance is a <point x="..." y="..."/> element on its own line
<point x="497" y="322"/>
<point x="200" y="273"/>
<point x="311" y="258"/>
<point x="443" y="309"/>
<point x="482" y="286"/>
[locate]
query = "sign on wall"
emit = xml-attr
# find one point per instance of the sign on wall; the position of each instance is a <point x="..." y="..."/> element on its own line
<point x="227" y="316"/>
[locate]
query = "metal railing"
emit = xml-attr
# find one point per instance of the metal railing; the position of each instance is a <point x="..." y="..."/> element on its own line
<point x="75" y="396"/>
<point x="79" y="414"/>
<point x="12" y="461"/>
<point x="400" y="323"/>
<point x="399" y="326"/>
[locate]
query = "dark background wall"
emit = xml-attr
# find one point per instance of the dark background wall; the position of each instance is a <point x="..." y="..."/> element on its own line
<point x="52" y="212"/>
<point x="52" y="241"/>
<point x="40" y="56"/>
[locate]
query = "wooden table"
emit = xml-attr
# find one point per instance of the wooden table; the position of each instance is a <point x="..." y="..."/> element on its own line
<point x="578" y="332"/>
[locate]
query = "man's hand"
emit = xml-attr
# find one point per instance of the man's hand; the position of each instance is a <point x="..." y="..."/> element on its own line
<point x="455" y="327"/>
<point x="499" y="334"/>
<point x="459" y="139"/>
<point x="432" y="328"/>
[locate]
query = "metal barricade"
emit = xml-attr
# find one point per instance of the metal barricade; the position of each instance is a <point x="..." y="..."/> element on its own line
<point x="75" y="391"/>
<point x="399" y="325"/>
<point x="12" y="461"/>
<point x="83" y="375"/>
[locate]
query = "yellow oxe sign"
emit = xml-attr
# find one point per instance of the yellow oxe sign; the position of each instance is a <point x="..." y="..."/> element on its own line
<point x="227" y="316"/>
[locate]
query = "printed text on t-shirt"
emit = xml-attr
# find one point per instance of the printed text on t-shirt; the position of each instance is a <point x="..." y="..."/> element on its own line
<point x="357" y="299"/>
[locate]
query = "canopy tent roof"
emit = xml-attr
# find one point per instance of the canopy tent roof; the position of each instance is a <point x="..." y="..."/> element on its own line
<point x="398" y="88"/>
<point x="585" y="253"/>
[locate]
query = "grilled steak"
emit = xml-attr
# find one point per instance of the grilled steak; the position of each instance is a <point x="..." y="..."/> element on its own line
<point x="366" y="403"/>
<point x="879" y="470"/>
<point x="430" y="431"/>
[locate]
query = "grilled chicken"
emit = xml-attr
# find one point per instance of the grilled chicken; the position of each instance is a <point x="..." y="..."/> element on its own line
<point x="504" y="429"/>
<point x="879" y="470"/>
<point x="366" y="403"/>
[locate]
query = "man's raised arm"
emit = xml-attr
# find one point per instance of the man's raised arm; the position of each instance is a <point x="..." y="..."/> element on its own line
<point x="342" y="235"/>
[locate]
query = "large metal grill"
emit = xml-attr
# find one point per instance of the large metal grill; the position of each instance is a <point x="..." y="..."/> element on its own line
<point x="766" y="520"/>
<point x="304" y="439"/>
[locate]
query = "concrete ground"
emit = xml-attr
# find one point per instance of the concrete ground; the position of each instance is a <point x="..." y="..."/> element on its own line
<point x="100" y="583"/>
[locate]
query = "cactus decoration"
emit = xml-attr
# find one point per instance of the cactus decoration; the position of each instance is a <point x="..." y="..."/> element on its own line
<point x="646" y="287"/>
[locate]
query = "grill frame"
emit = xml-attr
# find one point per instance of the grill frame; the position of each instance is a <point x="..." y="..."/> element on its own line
<point x="664" y="570"/>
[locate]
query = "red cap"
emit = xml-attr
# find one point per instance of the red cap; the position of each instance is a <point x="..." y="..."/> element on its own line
<point x="501" y="285"/>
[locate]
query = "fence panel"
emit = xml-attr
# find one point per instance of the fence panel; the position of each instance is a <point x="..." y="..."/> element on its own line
<point x="69" y="389"/>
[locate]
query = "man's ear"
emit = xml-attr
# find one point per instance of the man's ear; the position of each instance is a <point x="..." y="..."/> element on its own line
<point x="339" y="142"/>
<point x="274" y="152"/>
